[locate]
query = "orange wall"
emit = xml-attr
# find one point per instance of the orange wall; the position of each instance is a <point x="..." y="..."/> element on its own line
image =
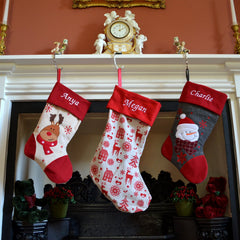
<point x="205" y="26"/>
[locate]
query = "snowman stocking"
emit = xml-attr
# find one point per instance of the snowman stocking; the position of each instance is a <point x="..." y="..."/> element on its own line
<point x="58" y="123"/>
<point x="114" y="168"/>
<point x="198" y="111"/>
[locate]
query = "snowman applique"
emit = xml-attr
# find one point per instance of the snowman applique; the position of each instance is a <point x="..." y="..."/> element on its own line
<point x="187" y="135"/>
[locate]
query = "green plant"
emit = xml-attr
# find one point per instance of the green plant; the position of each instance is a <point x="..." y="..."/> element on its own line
<point x="59" y="194"/>
<point x="183" y="193"/>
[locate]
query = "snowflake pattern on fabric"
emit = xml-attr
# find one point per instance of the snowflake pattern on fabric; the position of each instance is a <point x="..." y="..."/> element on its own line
<point x="48" y="108"/>
<point x="203" y="124"/>
<point x="114" y="168"/>
<point x="68" y="129"/>
<point x="182" y="157"/>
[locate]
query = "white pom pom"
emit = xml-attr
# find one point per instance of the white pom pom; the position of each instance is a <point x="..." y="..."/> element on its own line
<point x="183" y="115"/>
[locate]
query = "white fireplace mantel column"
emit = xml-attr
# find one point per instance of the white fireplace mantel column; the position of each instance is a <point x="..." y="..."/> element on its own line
<point x="234" y="69"/>
<point x="157" y="76"/>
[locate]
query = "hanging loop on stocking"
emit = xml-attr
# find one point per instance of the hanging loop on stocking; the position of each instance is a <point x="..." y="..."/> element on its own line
<point x="119" y="69"/>
<point x="187" y="69"/>
<point x="59" y="74"/>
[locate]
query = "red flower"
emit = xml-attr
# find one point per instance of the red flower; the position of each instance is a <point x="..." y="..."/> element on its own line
<point x="59" y="193"/>
<point x="183" y="193"/>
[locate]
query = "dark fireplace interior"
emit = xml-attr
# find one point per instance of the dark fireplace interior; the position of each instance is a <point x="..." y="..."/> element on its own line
<point x="93" y="216"/>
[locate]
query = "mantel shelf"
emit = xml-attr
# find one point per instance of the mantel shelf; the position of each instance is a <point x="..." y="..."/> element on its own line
<point x="93" y="59"/>
<point x="94" y="76"/>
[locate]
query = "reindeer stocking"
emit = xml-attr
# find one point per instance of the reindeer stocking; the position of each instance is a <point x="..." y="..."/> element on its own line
<point x="58" y="123"/>
<point x="114" y="168"/>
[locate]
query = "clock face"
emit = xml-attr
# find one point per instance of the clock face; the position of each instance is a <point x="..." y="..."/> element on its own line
<point x="119" y="29"/>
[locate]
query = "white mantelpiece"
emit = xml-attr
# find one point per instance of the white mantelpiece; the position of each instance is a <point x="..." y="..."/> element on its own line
<point x="31" y="78"/>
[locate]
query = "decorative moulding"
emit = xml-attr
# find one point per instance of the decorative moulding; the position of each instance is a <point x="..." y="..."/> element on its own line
<point x="159" y="76"/>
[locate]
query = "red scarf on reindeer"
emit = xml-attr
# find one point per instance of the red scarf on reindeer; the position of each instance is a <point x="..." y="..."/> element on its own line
<point x="46" y="145"/>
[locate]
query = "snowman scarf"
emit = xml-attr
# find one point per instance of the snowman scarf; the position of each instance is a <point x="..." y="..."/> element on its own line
<point x="185" y="145"/>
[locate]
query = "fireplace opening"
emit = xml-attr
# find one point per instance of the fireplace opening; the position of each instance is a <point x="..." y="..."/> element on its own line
<point x="218" y="151"/>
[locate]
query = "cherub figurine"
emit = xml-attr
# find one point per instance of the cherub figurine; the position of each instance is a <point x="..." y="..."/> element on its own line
<point x="110" y="17"/>
<point x="64" y="46"/>
<point x="100" y="43"/>
<point x="60" y="50"/>
<point x="139" y="43"/>
<point x="56" y="49"/>
<point x="129" y="16"/>
<point x="180" y="47"/>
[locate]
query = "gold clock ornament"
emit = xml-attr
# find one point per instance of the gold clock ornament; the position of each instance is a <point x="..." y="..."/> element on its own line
<point x="119" y="30"/>
<point x="122" y="35"/>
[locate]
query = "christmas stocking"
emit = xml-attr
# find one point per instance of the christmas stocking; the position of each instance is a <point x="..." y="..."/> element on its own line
<point x="198" y="111"/>
<point x="58" y="123"/>
<point x="114" y="168"/>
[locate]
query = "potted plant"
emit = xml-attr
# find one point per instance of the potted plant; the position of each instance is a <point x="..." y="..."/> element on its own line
<point x="58" y="199"/>
<point x="184" y="198"/>
<point x="29" y="219"/>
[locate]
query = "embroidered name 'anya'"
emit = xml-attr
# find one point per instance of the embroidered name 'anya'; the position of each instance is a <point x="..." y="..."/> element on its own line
<point x="70" y="99"/>
<point x="207" y="97"/>
<point x="134" y="107"/>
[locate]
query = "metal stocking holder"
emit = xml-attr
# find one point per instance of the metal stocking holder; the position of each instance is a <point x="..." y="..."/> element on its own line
<point x="187" y="69"/>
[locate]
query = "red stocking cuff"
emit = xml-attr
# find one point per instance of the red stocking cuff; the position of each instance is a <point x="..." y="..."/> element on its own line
<point x="203" y="96"/>
<point x="134" y="105"/>
<point x="67" y="99"/>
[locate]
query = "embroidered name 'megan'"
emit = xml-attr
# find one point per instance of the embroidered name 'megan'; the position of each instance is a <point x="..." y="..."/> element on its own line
<point x="133" y="106"/>
<point x="70" y="100"/>
<point x="207" y="97"/>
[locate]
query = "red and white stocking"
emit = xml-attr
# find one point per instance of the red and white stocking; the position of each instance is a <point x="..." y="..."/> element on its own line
<point x="198" y="111"/>
<point x="58" y="123"/>
<point x="115" y="166"/>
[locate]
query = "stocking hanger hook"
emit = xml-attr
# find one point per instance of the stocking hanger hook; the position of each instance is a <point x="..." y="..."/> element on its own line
<point x="114" y="60"/>
<point x="55" y="62"/>
<point x="186" y="62"/>
<point x="184" y="51"/>
<point x="57" y="68"/>
<point x="119" y="69"/>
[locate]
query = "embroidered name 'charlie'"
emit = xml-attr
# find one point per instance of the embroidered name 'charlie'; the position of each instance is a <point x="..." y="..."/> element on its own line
<point x="207" y="97"/>
<point x="70" y="100"/>
<point x="133" y="106"/>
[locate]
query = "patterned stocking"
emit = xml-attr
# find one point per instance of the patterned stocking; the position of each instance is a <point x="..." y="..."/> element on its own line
<point x="114" y="168"/>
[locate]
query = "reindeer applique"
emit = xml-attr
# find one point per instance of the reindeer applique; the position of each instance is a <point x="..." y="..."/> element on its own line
<point x="116" y="148"/>
<point x="138" y="136"/>
<point x="128" y="177"/>
<point x="48" y="136"/>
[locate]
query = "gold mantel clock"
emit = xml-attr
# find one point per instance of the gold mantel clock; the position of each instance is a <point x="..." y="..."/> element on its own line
<point x="122" y="35"/>
<point x="119" y="30"/>
<point x="119" y="34"/>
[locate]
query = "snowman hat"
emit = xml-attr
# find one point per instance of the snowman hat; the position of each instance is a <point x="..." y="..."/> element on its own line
<point x="186" y="122"/>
